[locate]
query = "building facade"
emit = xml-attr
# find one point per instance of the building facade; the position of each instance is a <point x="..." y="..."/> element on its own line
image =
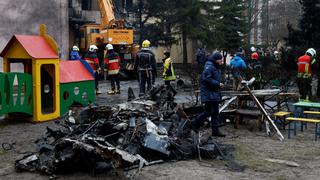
<point x="24" y="17"/>
<point x="269" y="18"/>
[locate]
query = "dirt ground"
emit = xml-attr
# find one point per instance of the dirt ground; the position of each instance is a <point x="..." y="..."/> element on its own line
<point x="251" y="150"/>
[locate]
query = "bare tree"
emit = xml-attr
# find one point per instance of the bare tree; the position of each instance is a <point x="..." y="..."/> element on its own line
<point x="276" y="17"/>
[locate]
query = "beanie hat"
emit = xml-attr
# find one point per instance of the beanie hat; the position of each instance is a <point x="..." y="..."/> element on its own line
<point x="215" y="56"/>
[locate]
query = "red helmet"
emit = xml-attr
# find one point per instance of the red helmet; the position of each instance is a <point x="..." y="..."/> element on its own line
<point x="255" y="56"/>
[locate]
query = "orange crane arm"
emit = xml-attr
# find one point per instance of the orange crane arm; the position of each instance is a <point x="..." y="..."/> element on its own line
<point x="107" y="13"/>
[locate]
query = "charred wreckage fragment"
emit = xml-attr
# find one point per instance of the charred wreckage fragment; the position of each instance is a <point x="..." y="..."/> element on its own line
<point x="141" y="132"/>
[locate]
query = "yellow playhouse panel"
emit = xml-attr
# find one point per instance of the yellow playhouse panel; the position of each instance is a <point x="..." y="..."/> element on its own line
<point x="17" y="52"/>
<point x="38" y="115"/>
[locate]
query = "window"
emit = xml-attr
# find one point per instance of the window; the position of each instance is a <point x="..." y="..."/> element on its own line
<point x="94" y="31"/>
<point x="70" y="3"/>
<point x="86" y="4"/>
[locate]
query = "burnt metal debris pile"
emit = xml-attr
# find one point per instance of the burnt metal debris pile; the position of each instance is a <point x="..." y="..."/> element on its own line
<point x="142" y="132"/>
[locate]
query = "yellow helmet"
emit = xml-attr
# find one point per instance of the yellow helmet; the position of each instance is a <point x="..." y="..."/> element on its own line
<point x="146" y="44"/>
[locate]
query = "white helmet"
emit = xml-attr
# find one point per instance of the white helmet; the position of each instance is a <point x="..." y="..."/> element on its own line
<point x="109" y="47"/>
<point x="253" y="49"/>
<point x="75" y="48"/>
<point x="92" y="48"/>
<point x="312" y="52"/>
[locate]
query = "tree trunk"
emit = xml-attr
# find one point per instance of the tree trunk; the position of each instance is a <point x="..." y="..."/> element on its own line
<point x="318" y="86"/>
<point x="140" y="22"/>
<point x="184" y="46"/>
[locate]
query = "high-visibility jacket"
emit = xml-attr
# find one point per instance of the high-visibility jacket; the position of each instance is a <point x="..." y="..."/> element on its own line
<point x="112" y="63"/>
<point x="255" y="56"/>
<point x="304" y="66"/>
<point x="168" y="72"/>
<point x="93" y="60"/>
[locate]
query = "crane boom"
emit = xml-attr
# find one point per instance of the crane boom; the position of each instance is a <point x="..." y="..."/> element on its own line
<point x="107" y="12"/>
<point x="110" y="30"/>
<point x="108" y="20"/>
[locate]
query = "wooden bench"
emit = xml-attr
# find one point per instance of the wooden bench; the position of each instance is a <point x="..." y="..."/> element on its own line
<point x="305" y="115"/>
<point x="247" y="112"/>
<point x="306" y="120"/>
<point x="280" y="118"/>
<point x="312" y="112"/>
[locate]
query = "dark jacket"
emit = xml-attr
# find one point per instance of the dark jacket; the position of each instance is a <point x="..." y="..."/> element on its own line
<point x="145" y="60"/>
<point x="201" y="56"/>
<point x="210" y="82"/>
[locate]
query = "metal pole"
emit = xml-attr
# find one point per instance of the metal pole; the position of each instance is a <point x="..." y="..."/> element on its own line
<point x="267" y="9"/>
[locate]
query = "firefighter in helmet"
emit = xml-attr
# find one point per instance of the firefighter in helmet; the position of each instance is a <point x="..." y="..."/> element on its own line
<point x="304" y="76"/>
<point x="145" y="66"/>
<point x="112" y="66"/>
<point x="92" y="59"/>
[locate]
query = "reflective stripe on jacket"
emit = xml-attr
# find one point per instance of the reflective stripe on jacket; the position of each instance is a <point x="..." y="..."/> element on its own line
<point x="168" y="72"/>
<point x="112" y="63"/>
<point x="304" y="66"/>
<point x="93" y="60"/>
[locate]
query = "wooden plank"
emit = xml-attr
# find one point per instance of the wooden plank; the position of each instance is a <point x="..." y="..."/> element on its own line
<point x="227" y="104"/>
<point x="281" y="113"/>
<point x="263" y="92"/>
<point x="248" y="112"/>
<point x="229" y="111"/>
<point x="307" y="104"/>
<point x="312" y="112"/>
<point x="303" y="119"/>
<point x="288" y="163"/>
<point x="254" y="98"/>
<point x="289" y="94"/>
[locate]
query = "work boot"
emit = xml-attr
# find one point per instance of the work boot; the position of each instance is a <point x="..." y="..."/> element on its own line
<point x="111" y="92"/>
<point x="117" y="90"/>
<point x="218" y="134"/>
<point x="98" y="91"/>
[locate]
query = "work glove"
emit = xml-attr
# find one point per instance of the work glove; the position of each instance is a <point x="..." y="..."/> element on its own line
<point x="99" y="70"/>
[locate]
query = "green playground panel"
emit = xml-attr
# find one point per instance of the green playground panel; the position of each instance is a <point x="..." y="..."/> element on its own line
<point x="16" y="98"/>
<point x="76" y="93"/>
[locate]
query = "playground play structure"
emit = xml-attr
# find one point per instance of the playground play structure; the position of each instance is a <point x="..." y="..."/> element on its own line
<point x="47" y="87"/>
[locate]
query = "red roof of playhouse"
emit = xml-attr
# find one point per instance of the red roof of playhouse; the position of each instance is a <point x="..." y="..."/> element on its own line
<point x="73" y="71"/>
<point x="36" y="46"/>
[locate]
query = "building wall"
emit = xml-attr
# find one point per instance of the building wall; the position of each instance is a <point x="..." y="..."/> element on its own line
<point x="24" y="17"/>
<point x="255" y="33"/>
<point x="176" y="53"/>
